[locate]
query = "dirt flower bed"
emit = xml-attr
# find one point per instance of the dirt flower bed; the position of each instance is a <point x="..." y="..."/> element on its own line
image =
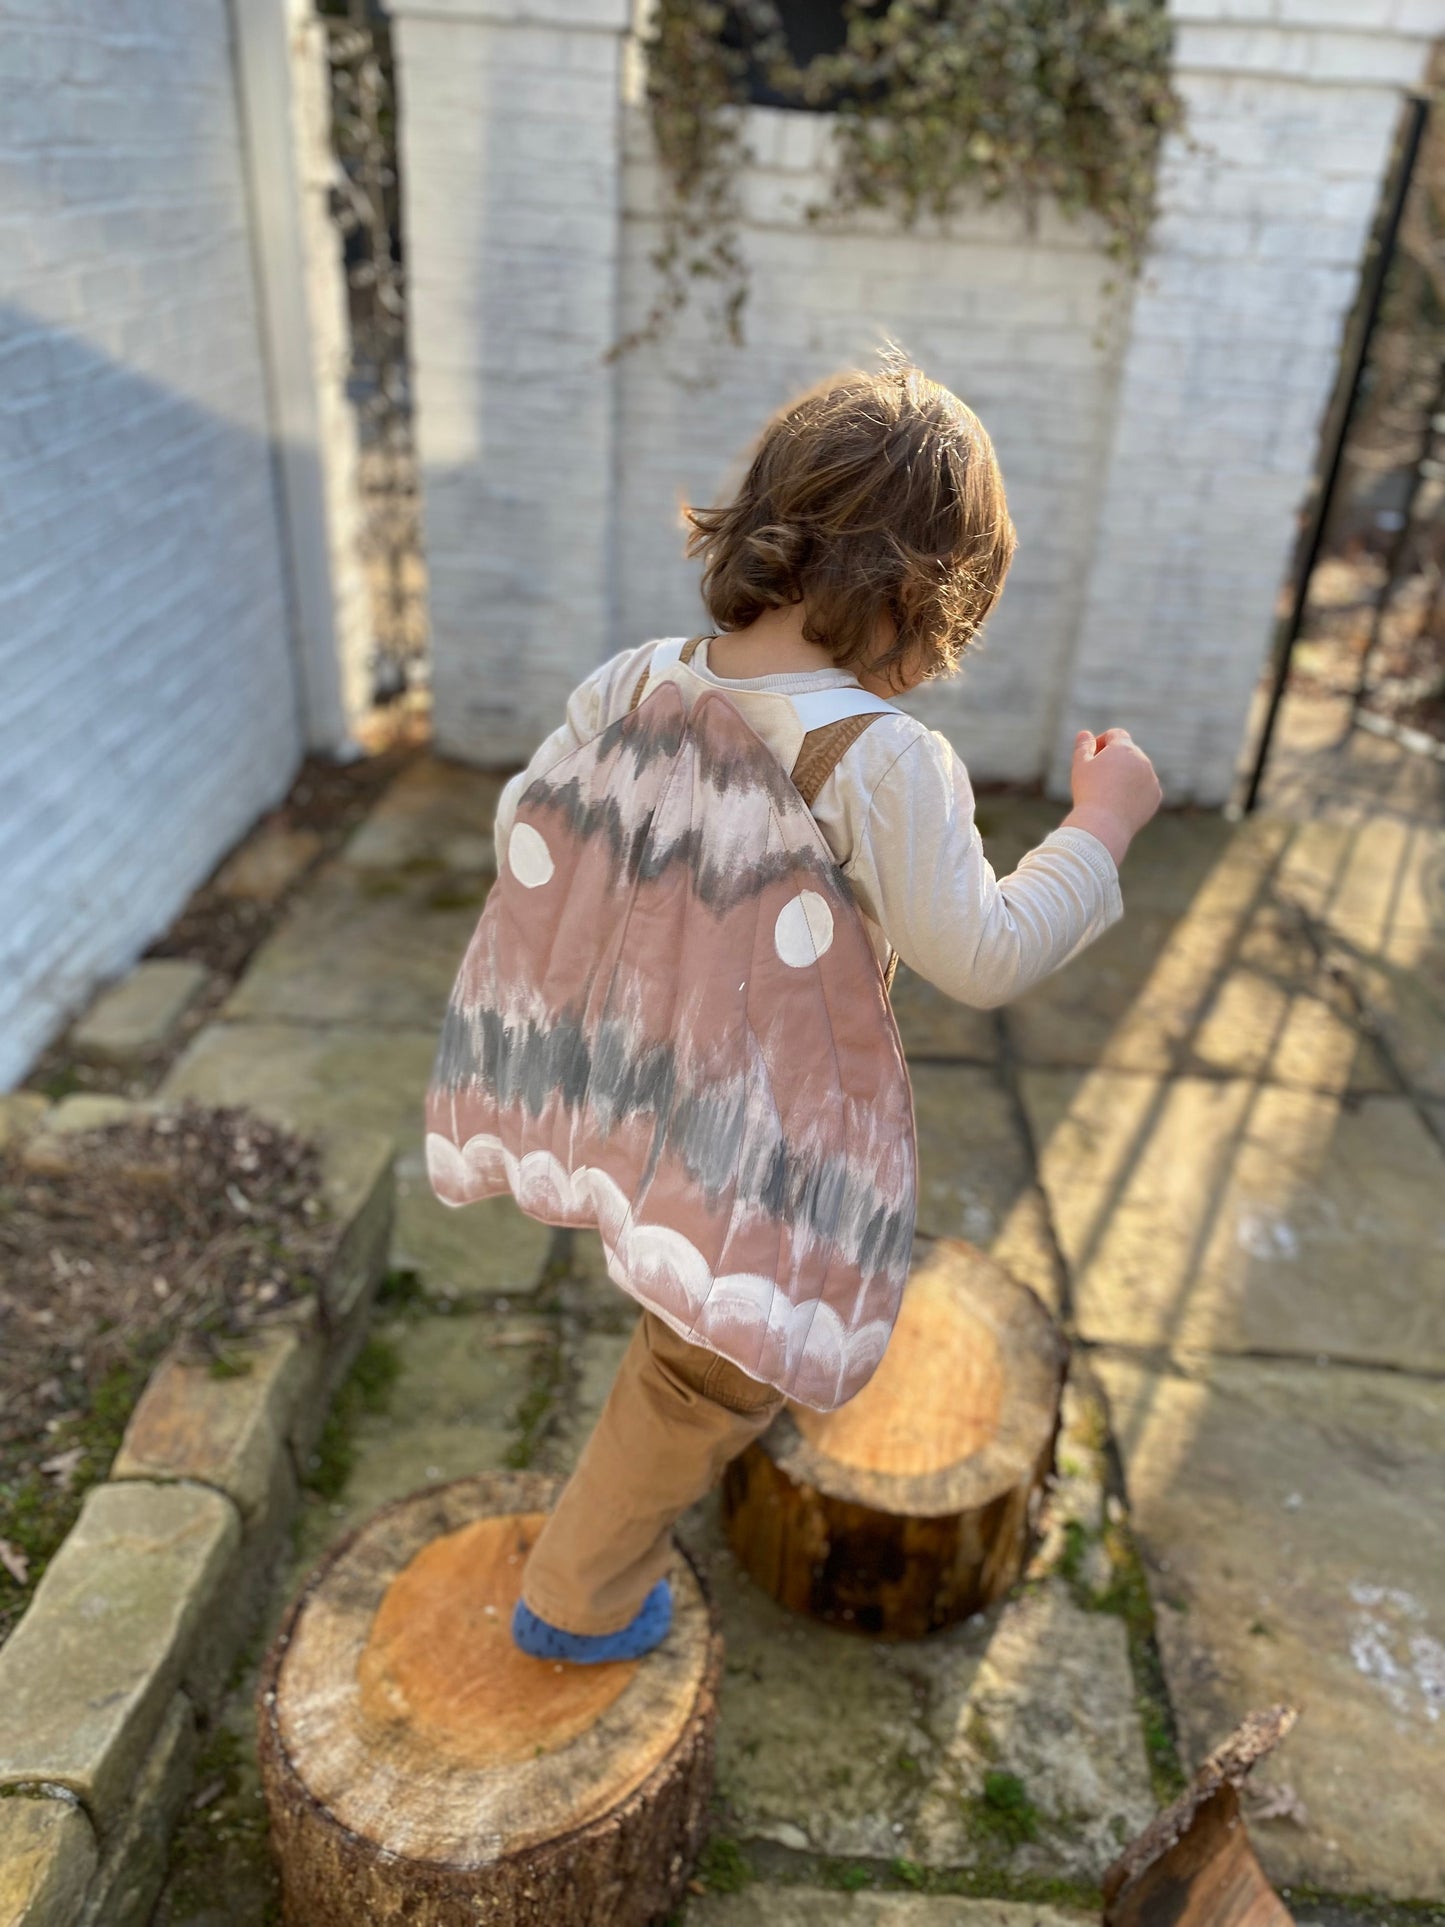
<point x="197" y="1224"/>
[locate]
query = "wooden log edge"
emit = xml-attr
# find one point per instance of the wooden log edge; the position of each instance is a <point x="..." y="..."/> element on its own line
<point x="319" y="1855"/>
<point x="1037" y="1365"/>
<point x="1210" y="1801"/>
<point x="902" y="1552"/>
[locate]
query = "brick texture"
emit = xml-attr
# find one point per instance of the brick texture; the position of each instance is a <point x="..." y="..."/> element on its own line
<point x="150" y="708"/>
<point x="1233" y="349"/>
<point x="511" y="162"/>
<point x="1157" y="437"/>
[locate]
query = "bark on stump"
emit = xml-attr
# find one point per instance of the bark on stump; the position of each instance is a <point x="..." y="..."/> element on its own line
<point x="1193" y="1866"/>
<point x="418" y="1768"/>
<point x="913" y="1505"/>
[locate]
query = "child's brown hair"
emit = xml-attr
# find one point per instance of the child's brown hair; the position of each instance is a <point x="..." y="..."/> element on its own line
<point x="872" y="494"/>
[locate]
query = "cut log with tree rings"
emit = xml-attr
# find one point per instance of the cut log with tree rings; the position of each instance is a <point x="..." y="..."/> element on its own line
<point x="914" y="1504"/>
<point x="418" y="1768"/>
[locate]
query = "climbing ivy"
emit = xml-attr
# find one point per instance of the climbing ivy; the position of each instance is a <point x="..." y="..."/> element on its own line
<point x="934" y="102"/>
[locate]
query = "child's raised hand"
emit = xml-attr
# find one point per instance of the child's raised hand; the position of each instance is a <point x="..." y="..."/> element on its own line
<point x="1114" y="787"/>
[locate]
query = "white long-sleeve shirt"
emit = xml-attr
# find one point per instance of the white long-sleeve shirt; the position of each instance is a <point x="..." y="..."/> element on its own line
<point x="898" y="814"/>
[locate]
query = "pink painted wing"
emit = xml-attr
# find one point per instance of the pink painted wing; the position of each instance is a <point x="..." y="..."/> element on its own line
<point x="670" y="1024"/>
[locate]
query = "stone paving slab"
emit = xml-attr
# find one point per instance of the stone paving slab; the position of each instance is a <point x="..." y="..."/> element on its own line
<point x="21" y="1113"/>
<point x="842" y="1745"/>
<point x="435" y="814"/>
<point x="1228" y="1215"/>
<point x="774" y="1906"/>
<point x="133" y="1867"/>
<point x="1290" y="1517"/>
<point x="226" y="1432"/>
<point x="452" y="1411"/>
<point x="331" y="1078"/>
<point x="47" y="1856"/>
<point x="358" y="1190"/>
<point x="1238" y="996"/>
<point x="1400" y="981"/>
<point x="822" y="1736"/>
<point x="975" y="1173"/>
<point x="932" y="1025"/>
<point x="1380" y="876"/>
<point x="141" y="1012"/>
<point x="1185" y="859"/>
<point x="592" y="1368"/>
<point x="1199" y="862"/>
<point x="87" y="1111"/>
<point x="1052" y="1703"/>
<point x="268" y="863"/>
<point x="491" y="1247"/>
<point x="112" y="1632"/>
<point x="361" y="948"/>
<point x="1012" y="825"/>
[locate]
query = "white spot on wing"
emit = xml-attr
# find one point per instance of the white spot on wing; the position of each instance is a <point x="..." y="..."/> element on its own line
<point x="804" y="930"/>
<point x="528" y="857"/>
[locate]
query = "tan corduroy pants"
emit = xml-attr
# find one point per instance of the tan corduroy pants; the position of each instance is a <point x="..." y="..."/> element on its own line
<point x="675" y="1416"/>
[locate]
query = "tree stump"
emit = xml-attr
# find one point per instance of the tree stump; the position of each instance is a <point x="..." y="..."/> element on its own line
<point x="912" y="1506"/>
<point x="1193" y="1865"/>
<point x="418" y="1768"/>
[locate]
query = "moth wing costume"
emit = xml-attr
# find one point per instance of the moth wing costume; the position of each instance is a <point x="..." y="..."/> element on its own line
<point x="671" y="1024"/>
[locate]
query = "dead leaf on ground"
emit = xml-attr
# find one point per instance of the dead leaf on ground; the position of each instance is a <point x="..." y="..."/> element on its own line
<point x="14" y="1562"/>
<point x="1279" y="1802"/>
<point x="63" y="1467"/>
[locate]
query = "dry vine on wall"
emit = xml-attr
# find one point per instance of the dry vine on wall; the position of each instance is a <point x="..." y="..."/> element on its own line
<point x="935" y="102"/>
<point x="366" y="206"/>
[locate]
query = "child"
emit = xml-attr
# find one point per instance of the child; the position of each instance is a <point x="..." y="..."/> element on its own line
<point x="867" y="544"/>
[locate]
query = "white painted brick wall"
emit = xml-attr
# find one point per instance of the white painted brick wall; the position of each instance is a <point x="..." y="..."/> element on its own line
<point x="1156" y="440"/>
<point x="510" y="169"/>
<point x="1021" y="326"/>
<point x="149" y="707"/>
<point x="1234" y="347"/>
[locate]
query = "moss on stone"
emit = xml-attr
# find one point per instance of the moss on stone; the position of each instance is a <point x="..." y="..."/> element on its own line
<point x="723" y="1867"/>
<point x="401" y="1292"/>
<point x="980" y="1736"/>
<point x="366" y="1389"/>
<point x="847" y="1876"/>
<point x="1003" y="1814"/>
<point x="994" y="1880"/>
<point x="532" y="1417"/>
<point x="220" y="1854"/>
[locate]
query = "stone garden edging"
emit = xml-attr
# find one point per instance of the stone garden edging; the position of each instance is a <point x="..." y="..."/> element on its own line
<point x="128" y="1642"/>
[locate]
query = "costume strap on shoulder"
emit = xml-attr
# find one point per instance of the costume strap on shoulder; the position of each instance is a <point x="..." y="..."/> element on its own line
<point x="663" y="657"/>
<point x="823" y="749"/>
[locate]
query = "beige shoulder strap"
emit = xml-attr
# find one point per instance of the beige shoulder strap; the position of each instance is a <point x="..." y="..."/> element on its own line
<point x="685" y="654"/>
<point x="822" y="751"/>
<point x="820" y="755"/>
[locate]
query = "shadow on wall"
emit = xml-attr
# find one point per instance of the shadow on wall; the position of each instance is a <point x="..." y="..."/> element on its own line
<point x="151" y="710"/>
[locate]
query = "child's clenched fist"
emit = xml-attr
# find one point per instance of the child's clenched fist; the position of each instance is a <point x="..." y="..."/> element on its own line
<point x="1114" y="787"/>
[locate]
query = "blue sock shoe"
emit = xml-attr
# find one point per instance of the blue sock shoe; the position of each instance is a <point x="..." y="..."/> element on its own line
<point x="639" y="1636"/>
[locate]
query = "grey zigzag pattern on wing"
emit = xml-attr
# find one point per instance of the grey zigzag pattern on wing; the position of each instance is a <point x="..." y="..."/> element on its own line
<point x="654" y="733"/>
<point x="524" y="1064"/>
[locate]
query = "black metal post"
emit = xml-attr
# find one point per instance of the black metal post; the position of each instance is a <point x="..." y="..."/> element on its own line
<point x="1377" y="266"/>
